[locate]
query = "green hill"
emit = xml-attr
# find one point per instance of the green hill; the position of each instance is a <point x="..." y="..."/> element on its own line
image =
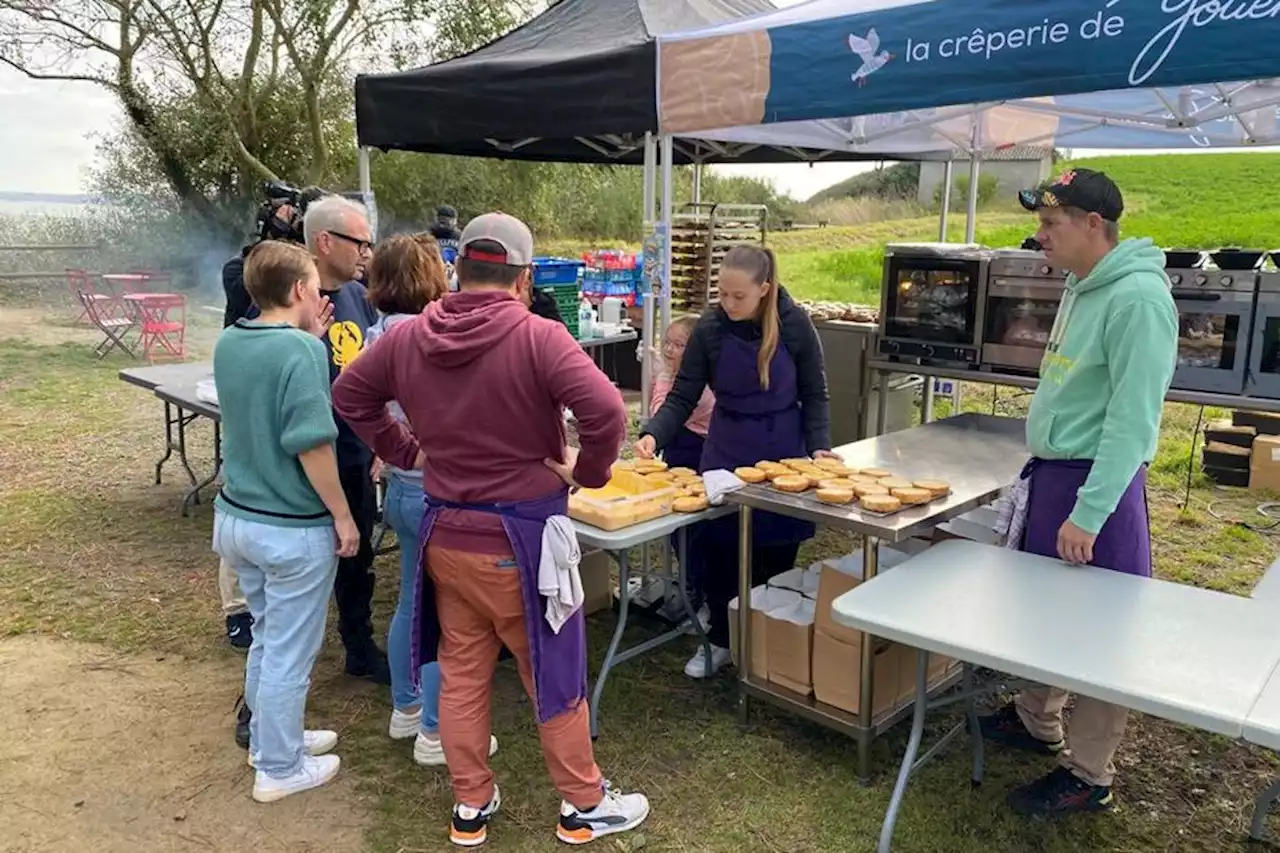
<point x="892" y="182"/>
<point x="1179" y="200"/>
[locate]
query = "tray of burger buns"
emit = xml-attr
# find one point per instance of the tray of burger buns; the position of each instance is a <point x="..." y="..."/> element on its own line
<point x="874" y="491"/>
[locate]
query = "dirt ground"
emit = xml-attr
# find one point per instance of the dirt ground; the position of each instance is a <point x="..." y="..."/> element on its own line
<point x="106" y="751"/>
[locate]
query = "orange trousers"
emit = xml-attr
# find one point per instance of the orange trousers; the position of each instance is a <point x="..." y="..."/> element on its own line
<point x="481" y="609"/>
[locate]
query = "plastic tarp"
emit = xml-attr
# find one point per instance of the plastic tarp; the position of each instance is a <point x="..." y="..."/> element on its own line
<point x="930" y="79"/>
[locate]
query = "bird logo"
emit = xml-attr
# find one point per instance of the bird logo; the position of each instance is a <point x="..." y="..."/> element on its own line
<point x="873" y="58"/>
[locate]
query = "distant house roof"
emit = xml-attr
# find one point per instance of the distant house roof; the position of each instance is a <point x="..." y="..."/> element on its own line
<point x="1013" y="154"/>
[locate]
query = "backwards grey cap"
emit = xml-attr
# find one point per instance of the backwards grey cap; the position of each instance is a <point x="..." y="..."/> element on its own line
<point x="512" y="235"/>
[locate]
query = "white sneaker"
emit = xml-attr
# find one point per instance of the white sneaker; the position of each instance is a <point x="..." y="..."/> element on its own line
<point x="404" y="726"/>
<point x="316" y="742"/>
<point x="316" y="770"/>
<point x="704" y="618"/>
<point x="697" y="665"/>
<point x="429" y="752"/>
<point x="470" y="826"/>
<point x="616" y="813"/>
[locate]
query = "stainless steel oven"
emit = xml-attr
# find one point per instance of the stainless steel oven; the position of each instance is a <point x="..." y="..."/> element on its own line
<point x="932" y="302"/>
<point x="1024" y="291"/>
<point x="1264" y="355"/>
<point x="1215" y="318"/>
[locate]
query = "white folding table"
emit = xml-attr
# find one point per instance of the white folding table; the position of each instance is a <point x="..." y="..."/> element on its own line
<point x="1185" y="654"/>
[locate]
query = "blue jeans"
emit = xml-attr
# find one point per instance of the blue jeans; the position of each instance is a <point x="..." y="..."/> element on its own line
<point x="404" y="510"/>
<point x="286" y="574"/>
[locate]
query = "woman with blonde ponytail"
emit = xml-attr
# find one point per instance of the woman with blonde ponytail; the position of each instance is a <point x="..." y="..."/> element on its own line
<point x="759" y="353"/>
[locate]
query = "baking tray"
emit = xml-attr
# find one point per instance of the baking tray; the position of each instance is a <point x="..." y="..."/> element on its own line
<point x="811" y="495"/>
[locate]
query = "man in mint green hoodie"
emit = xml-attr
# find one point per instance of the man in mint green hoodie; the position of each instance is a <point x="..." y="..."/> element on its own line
<point x="1092" y="428"/>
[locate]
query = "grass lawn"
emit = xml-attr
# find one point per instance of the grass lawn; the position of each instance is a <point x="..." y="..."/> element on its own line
<point x="90" y="550"/>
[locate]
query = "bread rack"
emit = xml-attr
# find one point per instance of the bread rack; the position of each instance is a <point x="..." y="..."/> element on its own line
<point x="701" y="235"/>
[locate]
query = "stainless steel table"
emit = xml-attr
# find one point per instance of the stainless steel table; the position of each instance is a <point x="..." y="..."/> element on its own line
<point x="618" y="544"/>
<point x="181" y="407"/>
<point x="977" y="454"/>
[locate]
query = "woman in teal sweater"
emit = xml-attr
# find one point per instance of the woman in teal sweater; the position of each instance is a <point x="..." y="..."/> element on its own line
<point x="281" y="520"/>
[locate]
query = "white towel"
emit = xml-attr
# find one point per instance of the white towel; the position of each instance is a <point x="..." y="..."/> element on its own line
<point x="559" y="579"/>
<point x="719" y="483"/>
<point x="1013" y="514"/>
<point x="207" y="392"/>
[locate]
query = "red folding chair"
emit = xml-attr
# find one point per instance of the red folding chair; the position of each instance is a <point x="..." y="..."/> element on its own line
<point x="115" y="329"/>
<point x="162" y="318"/>
<point x="81" y="284"/>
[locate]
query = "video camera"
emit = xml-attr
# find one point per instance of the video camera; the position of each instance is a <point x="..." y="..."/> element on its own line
<point x="278" y="194"/>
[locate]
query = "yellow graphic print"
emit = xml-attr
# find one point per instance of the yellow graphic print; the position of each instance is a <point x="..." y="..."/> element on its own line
<point x="347" y="342"/>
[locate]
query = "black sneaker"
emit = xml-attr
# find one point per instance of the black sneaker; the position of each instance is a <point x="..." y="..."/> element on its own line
<point x="240" y="631"/>
<point x="470" y="826"/>
<point x="369" y="661"/>
<point x="243" y="716"/>
<point x="1005" y="727"/>
<point x="1060" y="793"/>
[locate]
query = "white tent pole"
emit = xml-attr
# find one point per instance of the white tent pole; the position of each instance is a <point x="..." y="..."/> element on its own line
<point x="647" y="339"/>
<point x="948" y="172"/>
<point x="366" y="179"/>
<point x="697" y="183"/>
<point x="666" y="218"/>
<point x="975" y="168"/>
<point x="650" y="174"/>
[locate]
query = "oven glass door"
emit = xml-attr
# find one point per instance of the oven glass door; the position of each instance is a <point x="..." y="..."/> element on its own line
<point x="933" y="299"/>
<point x="1210" y="336"/>
<point x="1021" y="316"/>
<point x="1269" y="341"/>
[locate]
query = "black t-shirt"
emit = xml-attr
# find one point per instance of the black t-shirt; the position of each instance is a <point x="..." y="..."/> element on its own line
<point x="345" y="341"/>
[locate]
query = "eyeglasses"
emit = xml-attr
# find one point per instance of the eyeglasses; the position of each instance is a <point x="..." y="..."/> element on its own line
<point x="363" y="245"/>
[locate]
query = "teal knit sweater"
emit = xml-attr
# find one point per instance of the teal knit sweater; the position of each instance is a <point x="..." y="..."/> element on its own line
<point x="273" y="389"/>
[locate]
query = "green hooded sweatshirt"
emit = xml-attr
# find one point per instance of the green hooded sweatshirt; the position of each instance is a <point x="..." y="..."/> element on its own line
<point x="1104" y="375"/>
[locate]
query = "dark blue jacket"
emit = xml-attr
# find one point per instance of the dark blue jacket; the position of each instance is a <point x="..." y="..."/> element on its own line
<point x="352" y="317"/>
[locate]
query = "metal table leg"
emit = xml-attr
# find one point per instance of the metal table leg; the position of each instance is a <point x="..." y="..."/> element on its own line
<point x="866" y="702"/>
<point x="192" y="497"/>
<point x="744" y="611"/>
<point x="168" y="438"/>
<point x="183" y="420"/>
<point x="913" y="747"/>
<point x="624" y="599"/>
<point x="1258" y="826"/>
<point x="975" y="728"/>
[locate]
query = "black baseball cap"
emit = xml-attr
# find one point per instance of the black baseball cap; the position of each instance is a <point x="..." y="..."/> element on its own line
<point x="444" y="211"/>
<point x="1083" y="189"/>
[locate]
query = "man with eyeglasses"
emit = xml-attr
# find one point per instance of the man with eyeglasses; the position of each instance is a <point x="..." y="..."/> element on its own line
<point x="338" y="236"/>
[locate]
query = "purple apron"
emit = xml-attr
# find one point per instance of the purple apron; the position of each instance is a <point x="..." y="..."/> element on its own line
<point x="749" y="424"/>
<point x="558" y="661"/>
<point x="1123" y="544"/>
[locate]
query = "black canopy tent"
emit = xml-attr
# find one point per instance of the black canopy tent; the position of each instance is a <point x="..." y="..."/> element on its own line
<point x="576" y="84"/>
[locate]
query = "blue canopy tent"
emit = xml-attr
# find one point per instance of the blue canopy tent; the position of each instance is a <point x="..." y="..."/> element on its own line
<point x="948" y="79"/>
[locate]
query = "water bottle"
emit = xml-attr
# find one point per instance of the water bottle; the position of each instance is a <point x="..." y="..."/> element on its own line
<point x="585" y="317"/>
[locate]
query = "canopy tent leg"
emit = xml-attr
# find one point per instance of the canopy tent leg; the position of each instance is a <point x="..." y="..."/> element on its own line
<point x="948" y="173"/>
<point x="975" y="168"/>
<point x="646" y="339"/>
<point x="666" y="218"/>
<point x="697" y="183"/>
<point x="366" y="179"/>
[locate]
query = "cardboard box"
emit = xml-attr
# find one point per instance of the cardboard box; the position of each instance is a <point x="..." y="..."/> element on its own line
<point x="1225" y="432"/>
<point x="837" y="673"/>
<point x="833" y="583"/>
<point x="763" y="600"/>
<point x="789" y="645"/>
<point x="597" y="582"/>
<point x="1217" y="454"/>
<point x="940" y="667"/>
<point x="1264" y="464"/>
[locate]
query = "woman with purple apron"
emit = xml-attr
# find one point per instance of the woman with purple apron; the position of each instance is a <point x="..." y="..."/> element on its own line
<point x="759" y="354"/>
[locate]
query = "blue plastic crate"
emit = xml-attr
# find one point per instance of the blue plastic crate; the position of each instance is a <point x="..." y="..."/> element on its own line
<point x="549" y="271"/>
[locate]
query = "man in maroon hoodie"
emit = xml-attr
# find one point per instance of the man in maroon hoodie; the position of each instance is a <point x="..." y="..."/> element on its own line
<point x="483" y="383"/>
